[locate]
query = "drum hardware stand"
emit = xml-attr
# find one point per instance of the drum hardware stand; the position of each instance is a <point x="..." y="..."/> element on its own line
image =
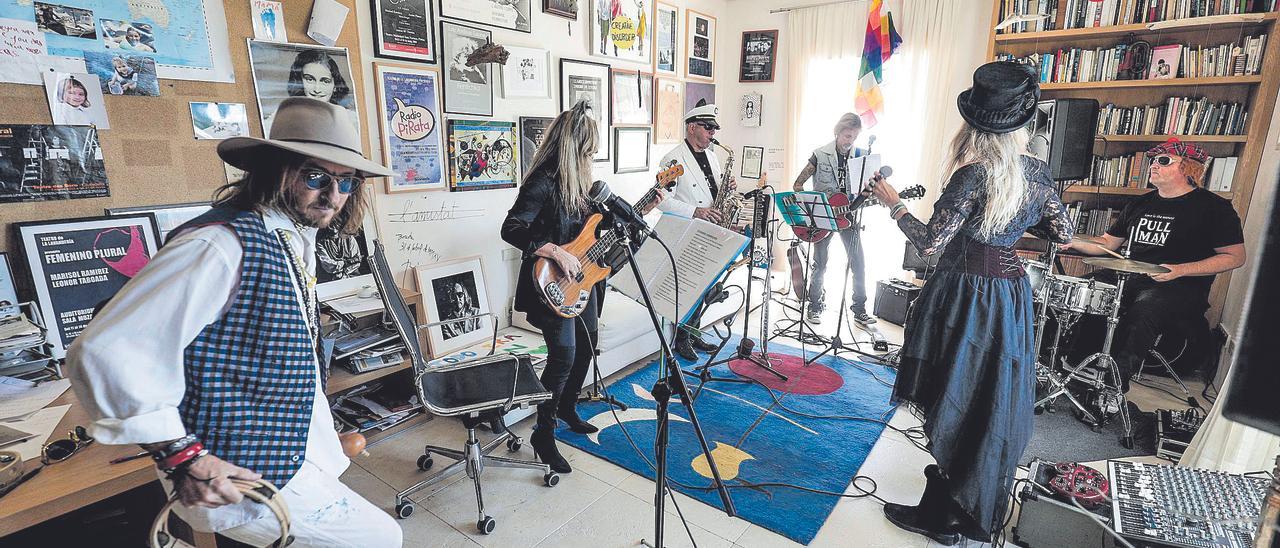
<point x="1168" y="366"/>
<point x="1058" y="382"/>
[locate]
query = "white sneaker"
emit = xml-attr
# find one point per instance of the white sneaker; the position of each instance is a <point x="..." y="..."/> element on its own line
<point x="863" y="318"/>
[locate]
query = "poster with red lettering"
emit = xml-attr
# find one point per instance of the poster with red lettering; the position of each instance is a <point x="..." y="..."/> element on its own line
<point x="412" y="145"/>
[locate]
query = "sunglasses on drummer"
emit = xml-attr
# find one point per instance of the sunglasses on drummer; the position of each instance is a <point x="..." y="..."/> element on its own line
<point x="1163" y="160"/>
<point x="319" y="179"/>
<point x="60" y="450"/>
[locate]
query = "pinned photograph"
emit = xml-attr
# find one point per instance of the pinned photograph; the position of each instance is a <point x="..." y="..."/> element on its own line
<point x="40" y="162"/>
<point x="281" y="71"/>
<point x="123" y="73"/>
<point x="128" y="36"/>
<point x="268" y="20"/>
<point x="66" y="20"/>
<point x="219" y="120"/>
<point x="75" y="99"/>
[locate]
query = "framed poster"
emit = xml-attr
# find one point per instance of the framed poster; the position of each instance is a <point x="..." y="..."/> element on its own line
<point x="759" y="52"/>
<point x="700" y="43"/>
<point x="621" y="29"/>
<point x="631" y="149"/>
<point x="51" y="163"/>
<point x="532" y="130"/>
<point x="697" y="91"/>
<point x="632" y="97"/>
<point x="168" y="216"/>
<point x="752" y="162"/>
<point x="504" y="14"/>
<point x="455" y="289"/>
<point x="749" y="106"/>
<point x="482" y="155"/>
<point x="402" y="30"/>
<point x="527" y="73"/>
<point x="409" y="118"/>
<point x="8" y="290"/>
<point x="281" y="71"/>
<point x="467" y="90"/>
<point x="588" y="81"/>
<point x="567" y="9"/>
<point x="666" y="39"/>
<point x="668" y="122"/>
<point x="76" y="265"/>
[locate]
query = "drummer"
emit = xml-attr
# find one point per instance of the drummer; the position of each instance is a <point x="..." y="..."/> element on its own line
<point x="1181" y="226"/>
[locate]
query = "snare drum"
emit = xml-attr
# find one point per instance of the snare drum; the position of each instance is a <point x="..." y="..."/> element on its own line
<point x="1081" y="295"/>
<point x="1037" y="273"/>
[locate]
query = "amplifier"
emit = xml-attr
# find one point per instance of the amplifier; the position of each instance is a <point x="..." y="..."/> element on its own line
<point x="893" y="297"/>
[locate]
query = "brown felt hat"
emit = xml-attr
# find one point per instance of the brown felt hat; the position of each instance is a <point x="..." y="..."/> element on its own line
<point x="310" y="127"/>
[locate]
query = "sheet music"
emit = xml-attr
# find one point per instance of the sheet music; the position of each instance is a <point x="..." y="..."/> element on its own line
<point x="702" y="252"/>
<point x="808" y="209"/>
<point x="855" y="167"/>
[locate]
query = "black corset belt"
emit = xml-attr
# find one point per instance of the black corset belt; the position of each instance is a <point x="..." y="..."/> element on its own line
<point x="970" y="256"/>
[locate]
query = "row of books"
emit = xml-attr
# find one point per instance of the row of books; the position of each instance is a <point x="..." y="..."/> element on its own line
<point x="1093" y="222"/>
<point x="1169" y="61"/>
<point x="1177" y="116"/>
<point x="1104" y="13"/>
<point x="1133" y="170"/>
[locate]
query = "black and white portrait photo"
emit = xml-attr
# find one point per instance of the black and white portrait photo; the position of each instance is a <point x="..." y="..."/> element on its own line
<point x="281" y="71"/>
<point x="456" y="295"/>
<point x="452" y="290"/>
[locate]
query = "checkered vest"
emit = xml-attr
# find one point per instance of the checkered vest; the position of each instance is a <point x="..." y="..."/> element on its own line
<point x="251" y="375"/>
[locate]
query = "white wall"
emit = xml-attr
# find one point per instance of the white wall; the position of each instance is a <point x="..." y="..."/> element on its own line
<point x="467" y="223"/>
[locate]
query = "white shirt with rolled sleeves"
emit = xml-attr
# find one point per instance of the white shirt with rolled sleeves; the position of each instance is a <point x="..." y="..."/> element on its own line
<point x="692" y="190"/>
<point x="127" y="368"/>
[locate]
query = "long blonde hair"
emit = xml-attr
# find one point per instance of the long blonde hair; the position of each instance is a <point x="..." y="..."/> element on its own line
<point x="1000" y="157"/>
<point x="568" y="148"/>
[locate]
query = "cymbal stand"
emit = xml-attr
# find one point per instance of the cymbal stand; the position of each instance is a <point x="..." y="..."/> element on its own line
<point x="1049" y="374"/>
<point x="1109" y="363"/>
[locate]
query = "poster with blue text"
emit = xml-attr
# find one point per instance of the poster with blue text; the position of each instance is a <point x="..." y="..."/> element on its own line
<point x="409" y="100"/>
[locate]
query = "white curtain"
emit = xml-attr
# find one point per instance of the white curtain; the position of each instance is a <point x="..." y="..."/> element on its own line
<point x="824" y="53"/>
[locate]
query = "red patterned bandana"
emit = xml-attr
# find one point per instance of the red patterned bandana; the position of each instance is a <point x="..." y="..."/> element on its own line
<point x="1175" y="147"/>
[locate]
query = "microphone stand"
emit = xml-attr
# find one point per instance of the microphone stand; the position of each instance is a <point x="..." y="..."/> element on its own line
<point x="671" y="383"/>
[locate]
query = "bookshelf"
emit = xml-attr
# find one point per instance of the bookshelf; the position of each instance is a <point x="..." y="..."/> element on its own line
<point x="1256" y="91"/>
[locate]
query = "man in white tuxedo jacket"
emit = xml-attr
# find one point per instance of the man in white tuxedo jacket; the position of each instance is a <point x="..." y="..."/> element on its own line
<point x="694" y="193"/>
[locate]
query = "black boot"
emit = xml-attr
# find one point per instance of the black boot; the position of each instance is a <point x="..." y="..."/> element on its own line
<point x="701" y="345"/>
<point x="931" y="517"/>
<point x="568" y="413"/>
<point x="684" y="348"/>
<point x="544" y="445"/>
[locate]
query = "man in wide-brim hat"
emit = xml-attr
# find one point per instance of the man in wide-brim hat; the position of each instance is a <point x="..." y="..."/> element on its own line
<point x="207" y="357"/>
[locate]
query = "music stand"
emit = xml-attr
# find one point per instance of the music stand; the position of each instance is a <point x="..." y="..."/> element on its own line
<point x="811" y="210"/>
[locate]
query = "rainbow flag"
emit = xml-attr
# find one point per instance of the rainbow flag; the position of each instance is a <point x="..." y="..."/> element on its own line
<point x="881" y="41"/>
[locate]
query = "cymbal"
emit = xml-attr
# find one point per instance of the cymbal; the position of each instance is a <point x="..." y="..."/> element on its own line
<point x="1126" y="265"/>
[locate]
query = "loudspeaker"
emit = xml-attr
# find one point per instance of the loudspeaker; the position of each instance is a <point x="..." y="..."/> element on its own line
<point x="893" y="298"/>
<point x="1062" y="133"/>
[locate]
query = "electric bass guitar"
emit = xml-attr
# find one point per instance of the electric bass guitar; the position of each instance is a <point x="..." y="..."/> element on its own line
<point x="843" y="206"/>
<point x="567" y="296"/>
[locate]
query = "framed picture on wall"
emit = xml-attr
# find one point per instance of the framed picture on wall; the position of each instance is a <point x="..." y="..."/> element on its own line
<point x="631" y="149"/>
<point x="482" y="155"/>
<point x="409" y="119"/>
<point x="759" y="52"/>
<point x="533" y="129"/>
<point x="567" y="9"/>
<point x="752" y="162"/>
<point x="698" y="91"/>
<point x="504" y="14"/>
<point x="467" y="90"/>
<point x="588" y="81"/>
<point x="624" y="31"/>
<point x="455" y="290"/>
<point x="666" y="38"/>
<point x="632" y="97"/>
<point x="168" y="216"/>
<point x="527" y="73"/>
<point x="668" y="120"/>
<point x="403" y="29"/>
<point x="76" y="265"/>
<point x="281" y="71"/>
<point x="749" y="107"/>
<point x="700" y="44"/>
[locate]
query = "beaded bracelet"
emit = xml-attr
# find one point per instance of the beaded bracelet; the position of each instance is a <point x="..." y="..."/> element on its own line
<point x="893" y="212"/>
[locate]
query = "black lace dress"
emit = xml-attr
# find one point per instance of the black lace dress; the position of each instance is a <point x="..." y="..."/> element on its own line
<point x="968" y="359"/>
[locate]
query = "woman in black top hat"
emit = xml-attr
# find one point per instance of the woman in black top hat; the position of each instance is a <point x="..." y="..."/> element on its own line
<point x="968" y="358"/>
<point x="550" y="211"/>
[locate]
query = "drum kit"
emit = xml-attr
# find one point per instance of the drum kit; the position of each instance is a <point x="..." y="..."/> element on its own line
<point x="1067" y="299"/>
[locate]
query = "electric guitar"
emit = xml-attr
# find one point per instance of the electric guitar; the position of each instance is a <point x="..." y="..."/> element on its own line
<point x="843" y="206"/>
<point x="567" y="296"/>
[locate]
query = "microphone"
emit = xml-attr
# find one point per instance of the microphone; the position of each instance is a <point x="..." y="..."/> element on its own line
<point x="885" y="171"/>
<point x="871" y="140"/>
<point x="622" y="211"/>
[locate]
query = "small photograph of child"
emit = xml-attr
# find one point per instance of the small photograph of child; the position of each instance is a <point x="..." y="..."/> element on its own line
<point x="75" y="99"/>
<point x="123" y="73"/>
<point x="128" y="36"/>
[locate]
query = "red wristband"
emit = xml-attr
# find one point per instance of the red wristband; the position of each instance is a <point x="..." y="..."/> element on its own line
<point x="187" y="453"/>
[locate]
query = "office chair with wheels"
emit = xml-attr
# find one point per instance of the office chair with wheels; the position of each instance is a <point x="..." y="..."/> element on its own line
<point x="479" y="391"/>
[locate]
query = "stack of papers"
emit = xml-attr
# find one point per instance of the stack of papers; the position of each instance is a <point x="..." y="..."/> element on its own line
<point x="18" y="333"/>
<point x="22" y="407"/>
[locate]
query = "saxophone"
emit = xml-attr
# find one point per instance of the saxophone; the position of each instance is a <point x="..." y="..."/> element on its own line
<point x="728" y="203"/>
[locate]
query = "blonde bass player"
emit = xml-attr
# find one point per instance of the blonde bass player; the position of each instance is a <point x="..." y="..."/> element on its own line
<point x="694" y="194"/>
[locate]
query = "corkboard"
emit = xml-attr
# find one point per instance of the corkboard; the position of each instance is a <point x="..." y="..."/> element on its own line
<point x="152" y="156"/>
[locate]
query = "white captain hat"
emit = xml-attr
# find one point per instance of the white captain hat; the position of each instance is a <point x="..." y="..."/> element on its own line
<point x="703" y="113"/>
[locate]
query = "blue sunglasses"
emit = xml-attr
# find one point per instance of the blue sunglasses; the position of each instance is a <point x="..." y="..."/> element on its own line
<point x="317" y="179"/>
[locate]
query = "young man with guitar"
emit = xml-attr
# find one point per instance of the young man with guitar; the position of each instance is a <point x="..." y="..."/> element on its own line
<point x="828" y="166"/>
<point x="553" y="222"/>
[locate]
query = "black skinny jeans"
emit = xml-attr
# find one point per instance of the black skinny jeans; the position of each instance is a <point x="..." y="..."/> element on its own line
<point x="570" y="348"/>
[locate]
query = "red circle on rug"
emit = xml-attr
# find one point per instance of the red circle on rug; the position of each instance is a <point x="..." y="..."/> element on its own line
<point x="814" y="379"/>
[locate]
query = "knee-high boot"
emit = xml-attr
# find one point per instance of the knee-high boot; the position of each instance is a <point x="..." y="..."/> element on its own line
<point x="932" y="516"/>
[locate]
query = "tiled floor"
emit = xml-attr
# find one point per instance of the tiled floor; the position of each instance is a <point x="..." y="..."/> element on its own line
<point x="601" y="505"/>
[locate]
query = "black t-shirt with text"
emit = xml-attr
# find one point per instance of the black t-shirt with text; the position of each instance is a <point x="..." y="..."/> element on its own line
<point x="1179" y="230"/>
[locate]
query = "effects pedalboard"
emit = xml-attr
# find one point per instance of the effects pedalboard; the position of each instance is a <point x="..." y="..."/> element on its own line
<point x="1185" y="507"/>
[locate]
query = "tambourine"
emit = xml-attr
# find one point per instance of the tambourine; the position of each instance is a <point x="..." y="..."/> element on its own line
<point x="260" y="491"/>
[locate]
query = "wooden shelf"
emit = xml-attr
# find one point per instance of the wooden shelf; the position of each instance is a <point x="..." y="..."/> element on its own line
<point x="1124" y="191"/>
<point x="1163" y="138"/>
<point x="1150" y="83"/>
<point x="340" y="379"/>
<point x="1196" y="23"/>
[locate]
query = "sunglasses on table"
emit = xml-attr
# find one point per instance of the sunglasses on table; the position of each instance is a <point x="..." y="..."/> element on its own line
<point x="1163" y="160"/>
<point x="318" y="179"/>
<point x="60" y="450"/>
